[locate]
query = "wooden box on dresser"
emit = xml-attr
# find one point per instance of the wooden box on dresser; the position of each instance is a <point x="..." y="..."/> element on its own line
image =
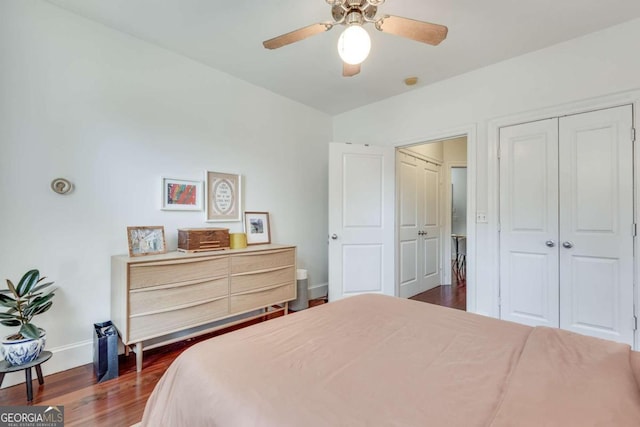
<point x="158" y="295"/>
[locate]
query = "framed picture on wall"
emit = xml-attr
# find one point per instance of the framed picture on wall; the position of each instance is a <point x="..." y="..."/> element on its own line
<point x="146" y="240"/>
<point x="256" y="225"/>
<point x="223" y="197"/>
<point x="181" y="195"/>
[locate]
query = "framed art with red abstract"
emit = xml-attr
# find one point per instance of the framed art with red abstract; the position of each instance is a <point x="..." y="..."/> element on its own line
<point x="181" y="195"/>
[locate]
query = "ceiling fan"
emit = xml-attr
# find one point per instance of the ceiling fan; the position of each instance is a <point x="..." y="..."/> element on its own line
<point x="354" y="43"/>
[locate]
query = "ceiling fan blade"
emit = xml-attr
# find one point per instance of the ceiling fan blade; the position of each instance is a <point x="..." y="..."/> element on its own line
<point x="424" y="32"/>
<point x="297" y="35"/>
<point x="349" y="70"/>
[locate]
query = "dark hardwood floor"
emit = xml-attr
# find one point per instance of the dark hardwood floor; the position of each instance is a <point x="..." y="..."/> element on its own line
<point x="117" y="402"/>
<point x="454" y="296"/>
<point x="121" y="401"/>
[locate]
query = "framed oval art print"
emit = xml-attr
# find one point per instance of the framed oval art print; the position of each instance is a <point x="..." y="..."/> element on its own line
<point x="224" y="195"/>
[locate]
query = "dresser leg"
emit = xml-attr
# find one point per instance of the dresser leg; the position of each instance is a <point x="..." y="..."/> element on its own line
<point x="138" y="356"/>
<point x="126" y="350"/>
<point x="286" y="308"/>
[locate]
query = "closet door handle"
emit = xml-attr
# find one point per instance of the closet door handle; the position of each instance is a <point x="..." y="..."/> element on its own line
<point x="550" y="243"/>
<point x="567" y="244"/>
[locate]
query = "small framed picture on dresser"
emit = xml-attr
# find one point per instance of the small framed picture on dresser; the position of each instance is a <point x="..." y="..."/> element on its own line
<point x="147" y="240"/>
<point x="256" y="225"/>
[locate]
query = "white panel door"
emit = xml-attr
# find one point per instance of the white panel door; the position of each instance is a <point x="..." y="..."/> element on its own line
<point x="596" y="218"/>
<point x="529" y="223"/>
<point x="361" y="220"/>
<point x="408" y="225"/>
<point x="420" y="228"/>
<point x="430" y="225"/>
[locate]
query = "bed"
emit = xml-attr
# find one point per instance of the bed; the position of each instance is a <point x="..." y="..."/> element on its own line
<point x="374" y="360"/>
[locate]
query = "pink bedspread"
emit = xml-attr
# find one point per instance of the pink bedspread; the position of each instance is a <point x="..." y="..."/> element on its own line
<point x="373" y="360"/>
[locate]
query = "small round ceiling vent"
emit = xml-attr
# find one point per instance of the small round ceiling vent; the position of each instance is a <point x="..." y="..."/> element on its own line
<point x="410" y="81"/>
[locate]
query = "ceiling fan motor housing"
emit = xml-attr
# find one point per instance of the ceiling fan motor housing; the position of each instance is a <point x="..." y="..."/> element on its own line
<point x="349" y="12"/>
<point x="354" y="17"/>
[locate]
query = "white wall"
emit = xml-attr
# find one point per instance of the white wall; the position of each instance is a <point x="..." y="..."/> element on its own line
<point x="597" y="64"/>
<point x="113" y="114"/>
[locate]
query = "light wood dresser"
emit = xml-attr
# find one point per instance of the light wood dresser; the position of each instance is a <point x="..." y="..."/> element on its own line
<point x="155" y="296"/>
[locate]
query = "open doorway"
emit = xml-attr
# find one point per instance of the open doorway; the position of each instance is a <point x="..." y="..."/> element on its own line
<point x="432" y="221"/>
<point x="458" y="232"/>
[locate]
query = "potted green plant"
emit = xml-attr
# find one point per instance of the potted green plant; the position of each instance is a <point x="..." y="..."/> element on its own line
<point x="23" y="302"/>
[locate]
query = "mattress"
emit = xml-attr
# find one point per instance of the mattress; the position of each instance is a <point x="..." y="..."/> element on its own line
<point x="374" y="360"/>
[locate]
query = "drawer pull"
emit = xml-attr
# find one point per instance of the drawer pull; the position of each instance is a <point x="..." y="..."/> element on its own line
<point x="266" y="270"/>
<point x="177" y="307"/>
<point x="174" y="262"/>
<point x="262" y="253"/>
<point x="178" y="284"/>
<point x="266" y="288"/>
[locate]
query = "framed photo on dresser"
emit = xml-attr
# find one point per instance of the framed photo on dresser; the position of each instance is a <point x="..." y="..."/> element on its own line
<point x="146" y="240"/>
<point x="256" y="225"/>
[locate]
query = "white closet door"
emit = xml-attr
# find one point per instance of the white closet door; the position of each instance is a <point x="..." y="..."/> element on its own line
<point x="407" y="173"/>
<point x="596" y="218"/>
<point x="529" y="223"/>
<point x="420" y="228"/>
<point x="430" y="225"/>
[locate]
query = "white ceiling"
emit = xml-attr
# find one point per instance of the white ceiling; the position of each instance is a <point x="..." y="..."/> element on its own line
<point x="228" y="35"/>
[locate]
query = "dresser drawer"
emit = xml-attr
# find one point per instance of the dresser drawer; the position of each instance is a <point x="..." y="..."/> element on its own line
<point x="146" y="300"/>
<point x="262" y="261"/>
<point x="153" y="325"/>
<point x="176" y="271"/>
<point x="249" y="281"/>
<point x="259" y="299"/>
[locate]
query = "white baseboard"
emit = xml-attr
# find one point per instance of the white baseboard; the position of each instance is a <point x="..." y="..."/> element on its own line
<point x="64" y="357"/>
<point x="318" y="291"/>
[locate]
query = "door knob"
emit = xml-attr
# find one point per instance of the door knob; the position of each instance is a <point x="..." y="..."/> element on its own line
<point x="550" y="243"/>
<point x="567" y="244"/>
<point x="334" y="236"/>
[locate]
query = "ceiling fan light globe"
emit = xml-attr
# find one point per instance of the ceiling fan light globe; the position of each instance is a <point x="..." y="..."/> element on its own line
<point x="354" y="45"/>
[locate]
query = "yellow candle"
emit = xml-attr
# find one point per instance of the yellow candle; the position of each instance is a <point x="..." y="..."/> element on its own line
<point x="238" y="240"/>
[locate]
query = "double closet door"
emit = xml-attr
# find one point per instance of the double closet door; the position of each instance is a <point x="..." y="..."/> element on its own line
<point x="566" y="223"/>
<point x="420" y="228"/>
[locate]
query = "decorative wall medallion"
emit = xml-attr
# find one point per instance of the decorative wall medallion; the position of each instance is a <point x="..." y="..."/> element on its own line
<point x="61" y="186"/>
